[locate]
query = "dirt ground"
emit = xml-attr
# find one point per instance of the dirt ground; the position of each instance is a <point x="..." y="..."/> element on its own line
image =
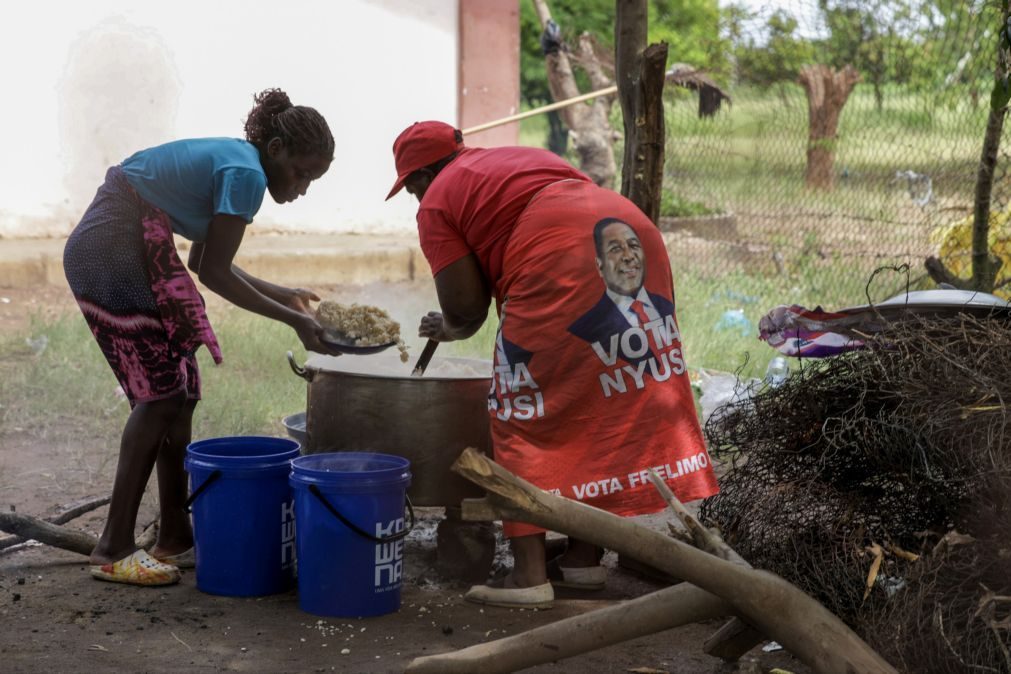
<point x="55" y="618"/>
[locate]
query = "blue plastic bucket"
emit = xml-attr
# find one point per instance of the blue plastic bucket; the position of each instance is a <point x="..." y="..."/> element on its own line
<point x="243" y="516"/>
<point x="350" y="512"/>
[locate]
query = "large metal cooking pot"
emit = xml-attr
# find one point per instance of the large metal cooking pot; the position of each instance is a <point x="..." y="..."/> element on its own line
<point x="372" y="404"/>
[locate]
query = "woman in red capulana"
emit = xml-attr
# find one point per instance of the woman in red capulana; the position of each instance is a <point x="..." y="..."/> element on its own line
<point x="589" y="389"/>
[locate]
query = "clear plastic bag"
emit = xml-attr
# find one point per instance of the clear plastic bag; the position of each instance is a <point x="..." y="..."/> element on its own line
<point x="720" y="389"/>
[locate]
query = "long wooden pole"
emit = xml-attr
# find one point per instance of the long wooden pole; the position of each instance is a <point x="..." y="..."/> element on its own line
<point x="606" y="91"/>
<point x="662" y="610"/>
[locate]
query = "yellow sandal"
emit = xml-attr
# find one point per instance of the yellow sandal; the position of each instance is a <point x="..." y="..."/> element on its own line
<point x="183" y="560"/>
<point x="138" y="568"/>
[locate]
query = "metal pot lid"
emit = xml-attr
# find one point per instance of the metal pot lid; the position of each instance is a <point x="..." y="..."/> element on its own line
<point x="938" y="299"/>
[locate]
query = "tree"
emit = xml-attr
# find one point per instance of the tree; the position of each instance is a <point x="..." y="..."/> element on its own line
<point x="690" y="27"/>
<point x="590" y="123"/>
<point x="640" y="77"/>
<point x="595" y="16"/>
<point x="780" y="58"/>
<point x="827" y="92"/>
<point x="955" y="49"/>
<point x="733" y="20"/>
<point x="867" y="34"/>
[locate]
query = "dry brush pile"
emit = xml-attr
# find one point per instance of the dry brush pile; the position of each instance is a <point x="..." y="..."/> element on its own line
<point x="880" y="483"/>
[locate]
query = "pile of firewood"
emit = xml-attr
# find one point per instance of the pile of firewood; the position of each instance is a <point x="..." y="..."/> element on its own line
<point x="879" y="482"/>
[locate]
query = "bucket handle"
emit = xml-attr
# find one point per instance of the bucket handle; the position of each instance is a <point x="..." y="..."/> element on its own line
<point x="188" y="506"/>
<point x="355" y="528"/>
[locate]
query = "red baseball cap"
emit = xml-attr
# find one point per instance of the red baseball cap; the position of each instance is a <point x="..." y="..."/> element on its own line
<point x="420" y="145"/>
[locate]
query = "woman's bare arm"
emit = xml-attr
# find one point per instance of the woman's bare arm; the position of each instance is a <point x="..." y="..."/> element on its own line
<point x="464" y="297"/>
<point x="212" y="261"/>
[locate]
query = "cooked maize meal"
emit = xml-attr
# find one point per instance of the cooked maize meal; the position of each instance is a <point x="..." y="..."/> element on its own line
<point x="360" y="324"/>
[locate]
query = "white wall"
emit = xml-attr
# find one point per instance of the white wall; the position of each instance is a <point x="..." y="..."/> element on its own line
<point x="85" y="84"/>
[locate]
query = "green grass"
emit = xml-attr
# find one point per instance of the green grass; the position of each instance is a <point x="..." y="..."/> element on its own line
<point x="713" y="343"/>
<point x="675" y="206"/>
<point x="69" y="380"/>
<point x="255" y="388"/>
<point x="248" y="394"/>
<point x="753" y="153"/>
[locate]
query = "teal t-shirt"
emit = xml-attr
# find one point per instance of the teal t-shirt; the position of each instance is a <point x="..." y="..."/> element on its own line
<point x="194" y="180"/>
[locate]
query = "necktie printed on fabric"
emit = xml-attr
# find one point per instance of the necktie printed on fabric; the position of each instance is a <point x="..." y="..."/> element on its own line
<point x="640" y="311"/>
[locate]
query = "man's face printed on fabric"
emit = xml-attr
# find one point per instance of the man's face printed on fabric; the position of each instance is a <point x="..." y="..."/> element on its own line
<point x="620" y="260"/>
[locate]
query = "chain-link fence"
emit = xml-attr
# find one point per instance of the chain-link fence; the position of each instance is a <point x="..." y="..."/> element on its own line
<point x="739" y="209"/>
<point x="904" y="160"/>
<point x="775" y="195"/>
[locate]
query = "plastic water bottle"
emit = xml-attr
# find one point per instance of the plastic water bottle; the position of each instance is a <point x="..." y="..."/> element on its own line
<point x="777" y="372"/>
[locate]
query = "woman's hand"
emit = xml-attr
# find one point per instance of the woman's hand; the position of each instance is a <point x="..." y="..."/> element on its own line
<point x="433" y="327"/>
<point x="300" y="301"/>
<point x="310" y="333"/>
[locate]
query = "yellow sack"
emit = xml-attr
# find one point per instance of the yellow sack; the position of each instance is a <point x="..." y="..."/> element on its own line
<point x="954" y="243"/>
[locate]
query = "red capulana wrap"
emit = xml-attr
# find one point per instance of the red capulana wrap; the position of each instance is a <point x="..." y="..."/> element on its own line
<point x="590" y="389"/>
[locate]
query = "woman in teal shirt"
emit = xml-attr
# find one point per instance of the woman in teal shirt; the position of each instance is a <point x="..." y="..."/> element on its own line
<point x="148" y="317"/>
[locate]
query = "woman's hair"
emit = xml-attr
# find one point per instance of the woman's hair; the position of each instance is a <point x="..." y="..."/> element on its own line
<point x="302" y="130"/>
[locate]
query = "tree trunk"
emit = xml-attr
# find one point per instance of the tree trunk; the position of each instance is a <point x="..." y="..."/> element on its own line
<point x="592" y="136"/>
<point x="774" y="606"/>
<point x="827" y="91"/>
<point x="558" y="135"/>
<point x="640" y="75"/>
<point x="984" y="265"/>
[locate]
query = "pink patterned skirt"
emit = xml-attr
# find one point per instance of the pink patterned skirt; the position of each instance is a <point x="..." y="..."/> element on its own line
<point x="136" y="296"/>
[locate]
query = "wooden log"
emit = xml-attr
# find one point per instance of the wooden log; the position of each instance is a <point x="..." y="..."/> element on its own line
<point x="732" y="641"/>
<point x="704" y="539"/>
<point x="775" y="607"/>
<point x="666" y="609"/>
<point x="736" y="637"/>
<point x="65" y="516"/>
<point x="48" y="533"/>
<point x="33" y="528"/>
<point x="661" y="610"/>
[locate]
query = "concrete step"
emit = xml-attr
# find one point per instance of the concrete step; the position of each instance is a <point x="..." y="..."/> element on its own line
<point x="287" y="259"/>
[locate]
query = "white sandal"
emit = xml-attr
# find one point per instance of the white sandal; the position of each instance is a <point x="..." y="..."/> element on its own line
<point x="536" y="597"/>
<point x="577" y="578"/>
